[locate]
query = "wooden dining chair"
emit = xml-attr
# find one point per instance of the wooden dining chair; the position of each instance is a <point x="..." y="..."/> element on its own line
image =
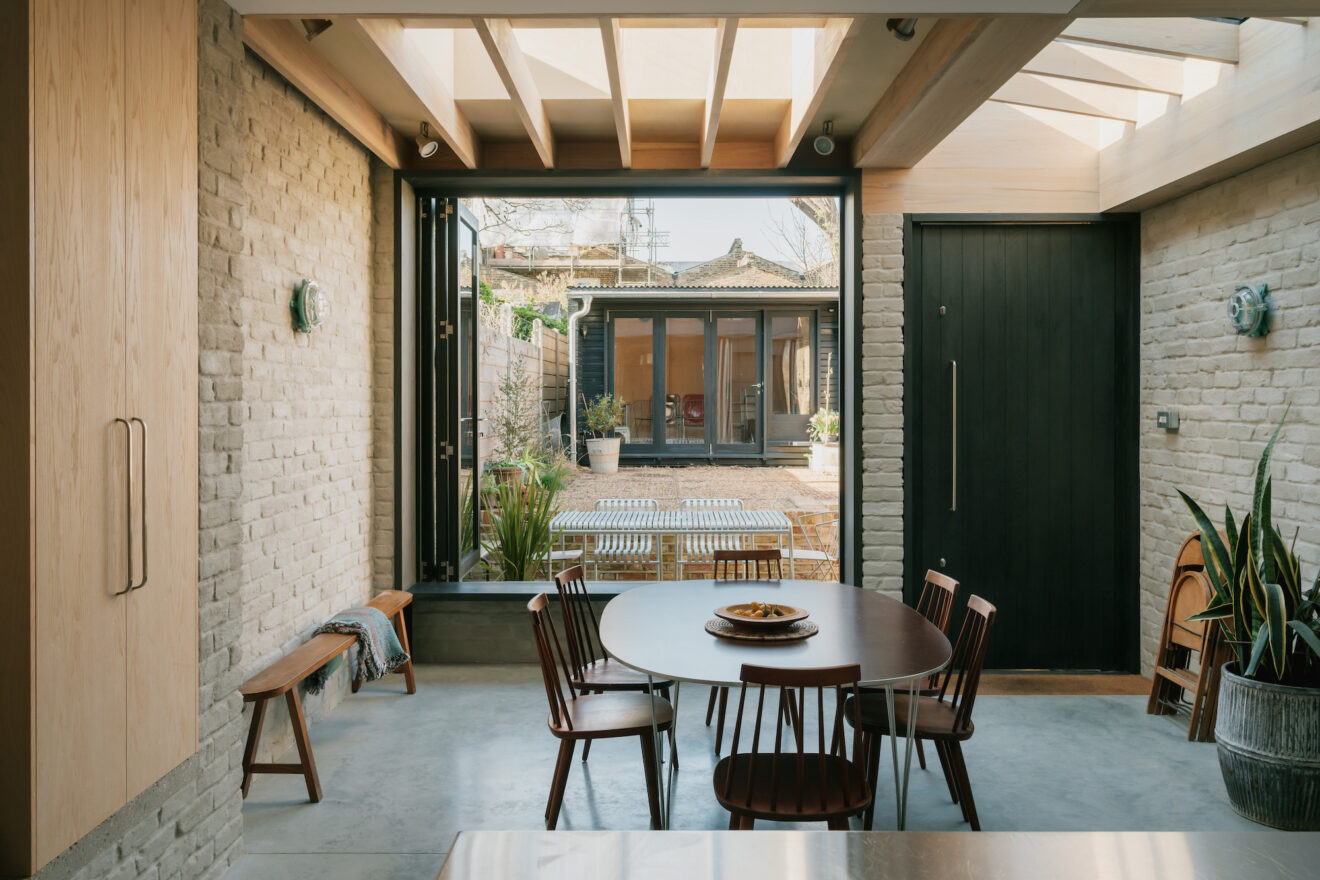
<point x="944" y="717"/>
<point x="748" y="565"/>
<point x="936" y="605"/>
<point x="785" y="782"/>
<point x="590" y="717"/>
<point x="591" y="670"/>
<point x="737" y="565"/>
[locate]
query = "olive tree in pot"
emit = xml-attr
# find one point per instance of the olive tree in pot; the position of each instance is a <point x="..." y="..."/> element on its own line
<point x="603" y="415"/>
<point x="1268" y="726"/>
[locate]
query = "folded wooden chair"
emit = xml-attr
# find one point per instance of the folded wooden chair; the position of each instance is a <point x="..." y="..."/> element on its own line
<point x="1176" y="686"/>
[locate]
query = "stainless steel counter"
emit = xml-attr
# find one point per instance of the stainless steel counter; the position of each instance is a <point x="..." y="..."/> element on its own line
<point x="817" y="855"/>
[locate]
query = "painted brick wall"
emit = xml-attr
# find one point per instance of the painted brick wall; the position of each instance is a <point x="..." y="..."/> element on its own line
<point x="307" y="397"/>
<point x="882" y="403"/>
<point x="1262" y="226"/>
<point x="382" y="379"/>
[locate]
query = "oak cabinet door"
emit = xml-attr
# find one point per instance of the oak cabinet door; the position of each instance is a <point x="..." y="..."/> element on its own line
<point x="161" y="234"/>
<point x="80" y="451"/>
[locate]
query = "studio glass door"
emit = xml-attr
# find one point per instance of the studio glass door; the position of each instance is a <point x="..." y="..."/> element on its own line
<point x="734" y="383"/>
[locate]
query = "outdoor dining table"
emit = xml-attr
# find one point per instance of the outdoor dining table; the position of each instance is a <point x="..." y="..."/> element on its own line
<point x="659" y="630"/>
<point x="677" y="523"/>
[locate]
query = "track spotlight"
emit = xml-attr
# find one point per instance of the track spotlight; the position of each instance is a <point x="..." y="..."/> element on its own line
<point x="902" y="28"/>
<point x="426" y="145"/>
<point x="824" y="142"/>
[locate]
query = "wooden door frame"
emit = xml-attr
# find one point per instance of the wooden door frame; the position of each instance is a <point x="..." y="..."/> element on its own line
<point x="1127" y="533"/>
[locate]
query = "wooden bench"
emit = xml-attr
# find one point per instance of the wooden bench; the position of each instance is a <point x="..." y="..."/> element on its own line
<point x="285" y="674"/>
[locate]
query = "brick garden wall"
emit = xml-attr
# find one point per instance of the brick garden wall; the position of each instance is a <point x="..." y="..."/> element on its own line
<point x="882" y="403"/>
<point x="1261" y="227"/>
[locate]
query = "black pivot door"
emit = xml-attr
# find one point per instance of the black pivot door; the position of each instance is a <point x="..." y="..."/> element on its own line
<point x="1022" y="439"/>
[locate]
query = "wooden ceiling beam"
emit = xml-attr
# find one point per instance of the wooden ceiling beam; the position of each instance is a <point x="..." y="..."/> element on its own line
<point x="726" y="32"/>
<point x="1179" y="37"/>
<point x="511" y="65"/>
<point x="282" y="45"/>
<point x="960" y="63"/>
<point x="613" y="41"/>
<point x="1069" y="96"/>
<point x="414" y="74"/>
<point x="830" y="50"/>
<point x="1109" y="67"/>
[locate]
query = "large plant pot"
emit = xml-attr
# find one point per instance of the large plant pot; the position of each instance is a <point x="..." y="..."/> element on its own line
<point x="824" y="457"/>
<point x="604" y="452"/>
<point x="1269" y="750"/>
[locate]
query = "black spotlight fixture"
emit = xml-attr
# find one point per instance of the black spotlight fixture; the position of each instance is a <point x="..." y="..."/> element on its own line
<point x="902" y="28"/>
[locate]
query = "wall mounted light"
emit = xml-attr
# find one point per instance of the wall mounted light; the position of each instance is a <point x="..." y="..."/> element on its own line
<point x="1249" y="310"/>
<point x="426" y="145"/>
<point x="903" y="29"/>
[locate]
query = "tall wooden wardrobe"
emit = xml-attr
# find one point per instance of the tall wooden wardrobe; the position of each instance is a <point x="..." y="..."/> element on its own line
<point x="98" y="412"/>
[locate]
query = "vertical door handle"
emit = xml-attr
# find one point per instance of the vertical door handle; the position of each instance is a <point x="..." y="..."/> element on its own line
<point x="128" y="505"/>
<point x="145" y="558"/>
<point x="953" y="491"/>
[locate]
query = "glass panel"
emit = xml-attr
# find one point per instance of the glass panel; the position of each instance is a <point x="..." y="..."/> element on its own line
<point x="685" y="380"/>
<point x="791" y="365"/>
<point x="735" y="380"/>
<point x="633" y="359"/>
<point x="470" y="452"/>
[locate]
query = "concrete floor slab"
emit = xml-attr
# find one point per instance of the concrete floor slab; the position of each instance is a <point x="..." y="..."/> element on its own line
<point x="402" y="775"/>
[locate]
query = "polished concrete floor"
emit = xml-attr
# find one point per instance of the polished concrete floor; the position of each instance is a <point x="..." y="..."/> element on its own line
<point x="402" y="775"/>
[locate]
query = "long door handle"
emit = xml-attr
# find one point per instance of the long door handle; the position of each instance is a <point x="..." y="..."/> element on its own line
<point x="145" y="559"/>
<point x="128" y="505"/>
<point x="953" y="490"/>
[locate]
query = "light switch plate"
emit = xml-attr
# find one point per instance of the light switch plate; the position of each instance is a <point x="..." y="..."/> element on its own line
<point x="1167" y="419"/>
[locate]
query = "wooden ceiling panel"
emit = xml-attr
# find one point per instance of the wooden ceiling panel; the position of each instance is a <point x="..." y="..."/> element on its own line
<point x="1106" y="66"/>
<point x="1069" y="96"/>
<point x="1180" y="37"/>
<point x="666" y="121"/>
<point x="493" y="120"/>
<point x="580" y="120"/>
<point x="752" y="119"/>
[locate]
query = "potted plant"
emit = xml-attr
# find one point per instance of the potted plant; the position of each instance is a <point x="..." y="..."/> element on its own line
<point x="520" y="534"/>
<point x="823" y="429"/>
<point x="1268" y="726"/>
<point x="601" y="417"/>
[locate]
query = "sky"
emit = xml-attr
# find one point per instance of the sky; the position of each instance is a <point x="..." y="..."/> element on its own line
<point x="698" y="228"/>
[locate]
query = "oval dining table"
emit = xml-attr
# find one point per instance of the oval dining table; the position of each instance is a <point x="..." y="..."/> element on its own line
<point x="659" y="630"/>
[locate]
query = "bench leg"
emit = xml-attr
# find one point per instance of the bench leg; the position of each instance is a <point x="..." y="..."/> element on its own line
<point x="401" y="630"/>
<point x="254" y="734"/>
<point x="304" y="745"/>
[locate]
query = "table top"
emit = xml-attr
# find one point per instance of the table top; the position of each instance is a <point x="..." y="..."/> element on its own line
<point x="660" y="629"/>
<point x="742" y="521"/>
<point x="880" y="855"/>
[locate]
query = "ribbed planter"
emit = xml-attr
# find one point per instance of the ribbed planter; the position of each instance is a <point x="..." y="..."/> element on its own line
<point x="1269" y="751"/>
<point x="604" y="452"/>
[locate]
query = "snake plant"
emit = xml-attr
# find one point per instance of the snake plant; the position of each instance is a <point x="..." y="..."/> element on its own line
<point x="1271" y="625"/>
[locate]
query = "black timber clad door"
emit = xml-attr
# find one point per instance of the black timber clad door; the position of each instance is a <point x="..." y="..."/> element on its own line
<point x="1024" y="452"/>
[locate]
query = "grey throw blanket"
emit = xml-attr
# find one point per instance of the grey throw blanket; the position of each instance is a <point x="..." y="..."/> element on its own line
<point x="379" y="652"/>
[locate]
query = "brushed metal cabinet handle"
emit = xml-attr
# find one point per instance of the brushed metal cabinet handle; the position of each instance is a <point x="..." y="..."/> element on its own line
<point x="953" y="493"/>
<point x="128" y="505"/>
<point x="145" y="559"/>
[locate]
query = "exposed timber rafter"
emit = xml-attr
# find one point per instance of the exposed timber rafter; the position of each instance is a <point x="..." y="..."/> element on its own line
<point x="1180" y="37"/>
<point x="726" y="32"/>
<point x="284" y="47"/>
<point x="958" y="66"/>
<point x="387" y="38"/>
<point x="511" y="65"/>
<point x="613" y="41"/>
<point x="830" y="50"/>
<point x="1069" y="96"/>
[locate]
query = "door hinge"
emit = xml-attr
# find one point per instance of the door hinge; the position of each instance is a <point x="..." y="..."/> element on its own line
<point x="449" y="209"/>
<point x="446" y="329"/>
<point x="445" y="451"/>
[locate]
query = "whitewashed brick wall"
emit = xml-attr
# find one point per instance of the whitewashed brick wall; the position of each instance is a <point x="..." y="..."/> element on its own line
<point x="308" y="397"/>
<point x="382" y="381"/>
<point x="882" y="403"/>
<point x="1261" y="227"/>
